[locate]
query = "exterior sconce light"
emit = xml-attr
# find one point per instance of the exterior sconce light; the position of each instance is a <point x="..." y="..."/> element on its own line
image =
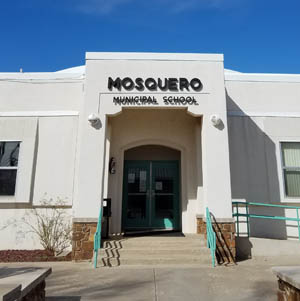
<point x="94" y="119"/>
<point x="215" y="120"/>
<point x="112" y="165"/>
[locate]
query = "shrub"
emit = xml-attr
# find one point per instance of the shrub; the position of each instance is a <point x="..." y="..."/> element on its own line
<point x="52" y="224"/>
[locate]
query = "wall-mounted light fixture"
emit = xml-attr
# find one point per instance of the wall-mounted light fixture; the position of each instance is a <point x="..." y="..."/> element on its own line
<point x="112" y="165"/>
<point x="215" y="120"/>
<point x="94" y="120"/>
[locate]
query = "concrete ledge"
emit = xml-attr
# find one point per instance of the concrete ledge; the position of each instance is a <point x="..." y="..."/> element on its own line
<point x="154" y="56"/>
<point x="28" y="278"/>
<point x="248" y="247"/>
<point x="289" y="274"/>
<point x="10" y="292"/>
<point x="85" y="220"/>
<point x="218" y="220"/>
<point x="32" y="279"/>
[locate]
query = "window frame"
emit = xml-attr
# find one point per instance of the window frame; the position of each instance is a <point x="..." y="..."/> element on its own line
<point x="284" y="168"/>
<point x="12" y="167"/>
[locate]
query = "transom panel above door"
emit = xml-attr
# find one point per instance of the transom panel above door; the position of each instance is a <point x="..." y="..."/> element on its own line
<point x="151" y="195"/>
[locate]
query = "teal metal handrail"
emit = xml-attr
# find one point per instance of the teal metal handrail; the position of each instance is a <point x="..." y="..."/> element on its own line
<point x="211" y="237"/>
<point x="97" y="238"/>
<point x="248" y="215"/>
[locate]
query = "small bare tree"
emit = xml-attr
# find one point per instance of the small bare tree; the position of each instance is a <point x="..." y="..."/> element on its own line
<point x="52" y="224"/>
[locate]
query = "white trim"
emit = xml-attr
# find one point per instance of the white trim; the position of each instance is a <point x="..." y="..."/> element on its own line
<point x="218" y="219"/>
<point x="8" y="167"/>
<point x="285" y="197"/>
<point x="38" y="113"/>
<point x="85" y="220"/>
<point x="262" y="77"/>
<point x="154" y="56"/>
<point x="263" y="114"/>
<point x="10" y="140"/>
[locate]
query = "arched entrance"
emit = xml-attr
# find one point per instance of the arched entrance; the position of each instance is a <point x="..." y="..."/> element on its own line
<point x="151" y="188"/>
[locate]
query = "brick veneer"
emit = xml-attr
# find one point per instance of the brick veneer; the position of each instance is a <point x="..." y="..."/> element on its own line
<point x="83" y="240"/>
<point x="287" y="292"/>
<point x="225" y="239"/>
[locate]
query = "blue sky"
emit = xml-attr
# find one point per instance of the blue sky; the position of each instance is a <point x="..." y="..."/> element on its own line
<point x="48" y="35"/>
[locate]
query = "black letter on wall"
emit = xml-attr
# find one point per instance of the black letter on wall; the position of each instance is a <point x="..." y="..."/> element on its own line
<point x="196" y="84"/>
<point x="184" y="84"/>
<point x="139" y="84"/>
<point x="151" y="84"/>
<point x="173" y="84"/>
<point x="127" y="83"/>
<point x="114" y="83"/>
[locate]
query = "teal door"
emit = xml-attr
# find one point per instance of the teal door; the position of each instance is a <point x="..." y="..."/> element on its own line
<point x="151" y="195"/>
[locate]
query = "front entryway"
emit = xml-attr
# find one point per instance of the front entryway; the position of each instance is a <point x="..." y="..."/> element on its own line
<point x="151" y="195"/>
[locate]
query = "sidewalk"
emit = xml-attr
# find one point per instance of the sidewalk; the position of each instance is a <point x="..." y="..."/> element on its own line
<point x="249" y="280"/>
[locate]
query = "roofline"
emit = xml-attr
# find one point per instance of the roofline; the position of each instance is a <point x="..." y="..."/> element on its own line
<point x="229" y="75"/>
<point x="154" y="56"/>
<point x="27" y="76"/>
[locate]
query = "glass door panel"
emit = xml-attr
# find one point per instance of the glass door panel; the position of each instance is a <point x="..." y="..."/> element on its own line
<point x="151" y="195"/>
<point x="136" y="194"/>
<point x="165" y="194"/>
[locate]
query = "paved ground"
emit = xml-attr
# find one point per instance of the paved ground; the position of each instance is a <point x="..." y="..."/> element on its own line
<point x="249" y="280"/>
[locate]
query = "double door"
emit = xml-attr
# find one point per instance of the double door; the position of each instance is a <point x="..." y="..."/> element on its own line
<point x="151" y="195"/>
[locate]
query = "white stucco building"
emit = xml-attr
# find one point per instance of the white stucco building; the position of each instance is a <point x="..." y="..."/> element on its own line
<point x="163" y="135"/>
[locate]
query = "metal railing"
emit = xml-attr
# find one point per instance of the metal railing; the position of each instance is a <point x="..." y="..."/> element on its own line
<point x="97" y="238"/>
<point x="211" y="237"/>
<point x="248" y="215"/>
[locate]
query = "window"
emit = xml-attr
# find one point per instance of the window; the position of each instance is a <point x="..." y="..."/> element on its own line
<point x="291" y="168"/>
<point x="9" y="156"/>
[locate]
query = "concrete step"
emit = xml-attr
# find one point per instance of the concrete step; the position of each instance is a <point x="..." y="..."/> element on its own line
<point x="153" y="252"/>
<point x="155" y="240"/>
<point x="156" y="237"/>
<point x="113" y="262"/>
<point x="164" y="249"/>
<point x="171" y="245"/>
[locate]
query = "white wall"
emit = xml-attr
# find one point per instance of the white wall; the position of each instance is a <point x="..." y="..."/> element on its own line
<point x="16" y="234"/>
<point x="172" y="128"/>
<point x="55" y="159"/>
<point x="40" y="92"/>
<point x="41" y="111"/>
<point x="95" y="142"/>
<point x="255" y="155"/>
<point x="263" y="97"/>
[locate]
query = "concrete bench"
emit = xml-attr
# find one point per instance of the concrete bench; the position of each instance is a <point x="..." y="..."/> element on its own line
<point x="288" y="282"/>
<point x="10" y="292"/>
<point x="23" y="283"/>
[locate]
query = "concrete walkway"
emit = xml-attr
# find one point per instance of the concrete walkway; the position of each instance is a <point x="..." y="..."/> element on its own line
<point x="249" y="280"/>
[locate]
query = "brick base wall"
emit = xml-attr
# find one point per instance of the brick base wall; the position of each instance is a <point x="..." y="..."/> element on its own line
<point x="83" y="240"/>
<point x="287" y="292"/>
<point x="36" y="294"/>
<point x="225" y="239"/>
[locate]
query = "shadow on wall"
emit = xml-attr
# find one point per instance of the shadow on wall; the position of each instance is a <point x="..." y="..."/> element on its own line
<point x="254" y="175"/>
<point x="243" y="248"/>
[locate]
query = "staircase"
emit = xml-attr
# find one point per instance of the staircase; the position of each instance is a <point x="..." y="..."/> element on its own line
<point x="163" y="249"/>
